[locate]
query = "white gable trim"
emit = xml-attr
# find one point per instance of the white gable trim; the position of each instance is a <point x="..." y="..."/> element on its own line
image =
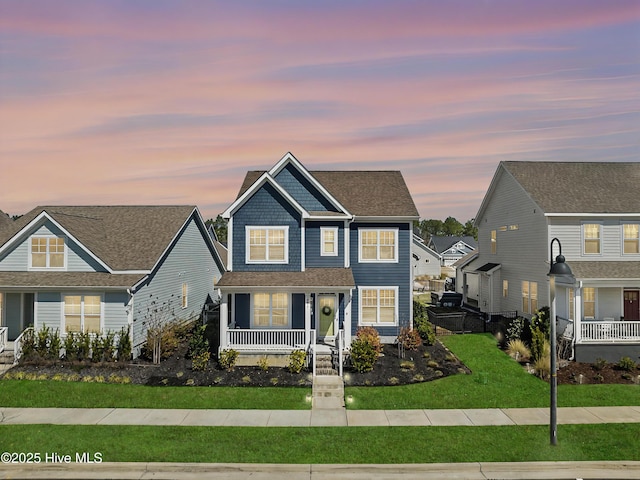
<point x="290" y="159"/>
<point x="264" y="179"/>
<point x="24" y="233"/>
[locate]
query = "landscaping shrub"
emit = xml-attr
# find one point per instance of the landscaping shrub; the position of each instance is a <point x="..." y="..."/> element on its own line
<point x="370" y="335"/>
<point x="263" y="364"/>
<point x="538" y="339"/>
<point x="83" y="349"/>
<point x="199" y="349"/>
<point x="70" y="347"/>
<point x="516" y="329"/>
<point x="540" y="320"/>
<point x="626" y="363"/>
<point x="363" y="354"/>
<point x="228" y="358"/>
<point x="542" y="364"/>
<point x="409" y="338"/>
<point x="421" y="323"/>
<point x="124" y="348"/>
<point x="28" y="344"/>
<point x="599" y="364"/>
<point x="97" y="349"/>
<point x="296" y="361"/>
<point x="200" y="361"/>
<point x="517" y="349"/>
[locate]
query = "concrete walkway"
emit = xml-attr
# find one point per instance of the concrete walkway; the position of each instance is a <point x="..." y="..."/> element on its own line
<point x="338" y="417"/>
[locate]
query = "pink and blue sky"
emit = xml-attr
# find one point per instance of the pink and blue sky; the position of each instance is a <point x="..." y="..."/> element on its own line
<point x="171" y="102"/>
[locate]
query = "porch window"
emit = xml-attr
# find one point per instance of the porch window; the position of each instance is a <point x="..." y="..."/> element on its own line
<point x="47" y="252"/>
<point x="378" y="305"/>
<point x="82" y="313"/>
<point x="271" y="310"/>
<point x="378" y="245"/>
<point x="267" y="244"/>
<point x="329" y="241"/>
<point x="631" y="234"/>
<point x="591" y="238"/>
<point x="589" y="302"/>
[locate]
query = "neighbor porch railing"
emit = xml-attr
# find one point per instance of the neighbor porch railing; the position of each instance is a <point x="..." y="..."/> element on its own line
<point x="4" y="338"/>
<point x="17" y="345"/>
<point x="609" y="331"/>
<point x="266" y="340"/>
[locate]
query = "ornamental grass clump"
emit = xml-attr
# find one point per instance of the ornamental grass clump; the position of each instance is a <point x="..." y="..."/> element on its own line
<point x="517" y="350"/>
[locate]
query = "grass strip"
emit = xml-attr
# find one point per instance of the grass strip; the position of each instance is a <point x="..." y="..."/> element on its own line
<point x="33" y="393"/>
<point x="496" y="381"/>
<point x="327" y="445"/>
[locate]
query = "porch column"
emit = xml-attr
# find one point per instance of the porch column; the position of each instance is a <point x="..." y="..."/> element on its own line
<point x="307" y="318"/>
<point x="577" y="312"/>
<point x="224" y="320"/>
<point x="347" y="318"/>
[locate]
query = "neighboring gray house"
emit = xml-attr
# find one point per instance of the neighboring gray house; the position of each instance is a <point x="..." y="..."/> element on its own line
<point x="426" y="262"/>
<point x="452" y="248"/>
<point x="593" y="209"/>
<point x="101" y="268"/>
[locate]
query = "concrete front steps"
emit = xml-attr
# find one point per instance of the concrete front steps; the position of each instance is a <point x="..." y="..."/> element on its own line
<point x="328" y="392"/>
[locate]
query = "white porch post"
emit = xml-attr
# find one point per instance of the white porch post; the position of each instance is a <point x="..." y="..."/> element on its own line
<point x="577" y="312"/>
<point x="347" y="318"/>
<point x="224" y="320"/>
<point x="307" y="318"/>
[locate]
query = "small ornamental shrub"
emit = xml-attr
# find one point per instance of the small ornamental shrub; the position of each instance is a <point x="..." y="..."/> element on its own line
<point x="540" y="320"/>
<point x="123" y="347"/>
<point x="542" y="365"/>
<point x="296" y="361"/>
<point x="599" y="364"/>
<point x="198" y="343"/>
<point x="516" y="328"/>
<point x="83" y="340"/>
<point x="518" y="350"/>
<point x="370" y="335"/>
<point x="407" y="365"/>
<point x="538" y="340"/>
<point x="421" y="323"/>
<point x="97" y="350"/>
<point x="626" y="364"/>
<point x="28" y="344"/>
<point x="200" y="361"/>
<point x="42" y="341"/>
<point x="109" y="346"/>
<point x="228" y="358"/>
<point x="363" y="354"/>
<point x="70" y="347"/>
<point x="263" y="364"/>
<point x="409" y="338"/>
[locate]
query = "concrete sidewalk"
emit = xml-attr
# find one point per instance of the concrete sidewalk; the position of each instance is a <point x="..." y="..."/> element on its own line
<point x="235" y="471"/>
<point x="315" y="418"/>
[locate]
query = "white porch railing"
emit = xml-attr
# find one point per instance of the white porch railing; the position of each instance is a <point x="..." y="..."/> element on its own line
<point x="266" y="340"/>
<point x="609" y="332"/>
<point x="4" y="338"/>
<point x="17" y="345"/>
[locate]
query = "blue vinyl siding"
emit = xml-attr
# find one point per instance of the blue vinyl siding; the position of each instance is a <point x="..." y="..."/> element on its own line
<point x="49" y="310"/>
<point x="302" y="190"/>
<point x="266" y="208"/>
<point x="384" y="275"/>
<point x="313" y="258"/>
<point x="115" y="311"/>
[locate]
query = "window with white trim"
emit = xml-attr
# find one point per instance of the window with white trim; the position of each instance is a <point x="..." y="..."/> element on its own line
<point x="184" y="295"/>
<point x="505" y="288"/>
<point x="591" y="236"/>
<point x="271" y="310"/>
<point x="589" y="302"/>
<point x="47" y="252"/>
<point x="267" y="244"/>
<point x="631" y="238"/>
<point x="378" y="305"/>
<point x="525" y="297"/>
<point x="494" y="242"/>
<point x="378" y="245"/>
<point x="82" y="313"/>
<point x="329" y="241"/>
<point x="533" y="293"/>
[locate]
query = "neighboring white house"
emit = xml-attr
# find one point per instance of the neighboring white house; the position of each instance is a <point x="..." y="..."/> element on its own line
<point x="426" y="262"/>
<point x="452" y="248"/>
<point x="593" y="209"/>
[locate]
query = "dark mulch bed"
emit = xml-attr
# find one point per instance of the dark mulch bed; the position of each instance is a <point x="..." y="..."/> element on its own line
<point x="593" y="374"/>
<point x="425" y="364"/>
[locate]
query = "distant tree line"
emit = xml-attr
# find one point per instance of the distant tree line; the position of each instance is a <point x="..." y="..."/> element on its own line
<point x="220" y="227"/>
<point x="449" y="227"/>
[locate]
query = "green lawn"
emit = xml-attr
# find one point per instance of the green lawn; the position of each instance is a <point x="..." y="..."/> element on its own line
<point x="30" y="393"/>
<point x="496" y="382"/>
<point x="328" y="445"/>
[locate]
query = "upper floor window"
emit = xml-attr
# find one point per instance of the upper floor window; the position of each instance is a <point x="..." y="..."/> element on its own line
<point x="47" y="252"/>
<point x="379" y="245"/>
<point x="329" y="241"/>
<point x="82" y="313"/>
<point x="267" y="244"/>
<point x="494" y="241"/>
<point x="591" y="235"/>
<point x="271" y="310"/>
<point x="631" y="238"/>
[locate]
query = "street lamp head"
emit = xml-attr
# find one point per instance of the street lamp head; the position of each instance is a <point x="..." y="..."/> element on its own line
<point x="560" y="267"/>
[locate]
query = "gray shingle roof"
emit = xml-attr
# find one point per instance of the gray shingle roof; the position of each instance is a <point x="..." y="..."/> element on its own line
<point x="363" y="193"/>
<point x="580" y="187"/>
<point x="598" y="270"/>
<point x="68" y="279"/>
<point x="312" y="277"/>
<point x="124" y="237"/>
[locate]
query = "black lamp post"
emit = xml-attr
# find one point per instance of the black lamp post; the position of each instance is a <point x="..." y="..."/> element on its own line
<point x="557" y="269"/>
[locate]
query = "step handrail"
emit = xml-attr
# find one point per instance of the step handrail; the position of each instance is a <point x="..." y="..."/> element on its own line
<point x="17" y="345"/>
<point x="4" y="335"/>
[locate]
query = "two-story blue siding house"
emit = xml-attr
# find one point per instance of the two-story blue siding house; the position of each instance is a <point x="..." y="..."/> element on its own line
<point x="315" y="255"/>
<point x="96" y="269"/>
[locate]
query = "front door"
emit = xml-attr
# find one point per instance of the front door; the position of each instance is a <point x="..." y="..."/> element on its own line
<point x="632" y="305"/>
<point x="327" y="315"/>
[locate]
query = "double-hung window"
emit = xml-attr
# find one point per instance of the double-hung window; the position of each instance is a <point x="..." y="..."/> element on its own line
<point x="589" y="302"/>
<point x="267" y="244"/>
<point x="271" y="310"/>
<point x="591" y="238"/>
<point x="631" y="238"/>
<point x="378" y="245"/>
<point x="529" y="297"/>
<point x="47" y="252"/>
<point x="329" y="241"/>
<point x="378" y="305"/>
<point x="494" y="242"/>
<point x="82" y="313"/>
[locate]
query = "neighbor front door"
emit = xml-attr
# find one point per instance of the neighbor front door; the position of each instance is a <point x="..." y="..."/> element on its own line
<point x="632" y="305"/>
<point x="327" y="315"/>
